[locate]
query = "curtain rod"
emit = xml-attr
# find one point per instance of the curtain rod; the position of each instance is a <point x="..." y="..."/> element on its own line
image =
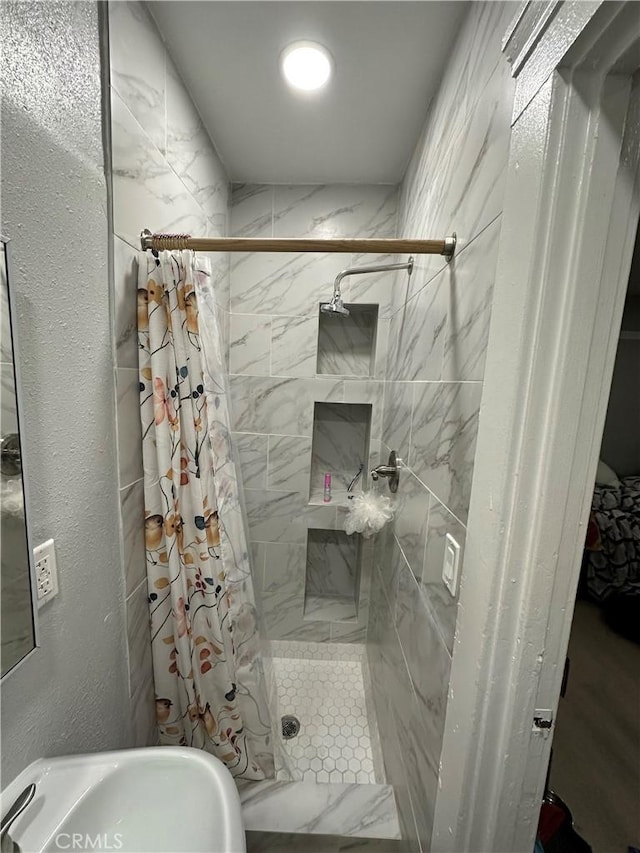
<point x="158" y="242"/>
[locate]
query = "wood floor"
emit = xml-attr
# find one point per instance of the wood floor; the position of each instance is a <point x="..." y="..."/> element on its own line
<point x="596" y="747"/>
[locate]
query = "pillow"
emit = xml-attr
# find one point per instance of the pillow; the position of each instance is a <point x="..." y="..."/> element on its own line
<point x="606" y="476"/>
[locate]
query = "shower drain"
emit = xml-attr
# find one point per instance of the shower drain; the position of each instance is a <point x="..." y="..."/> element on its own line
<point x="290" y="726"/>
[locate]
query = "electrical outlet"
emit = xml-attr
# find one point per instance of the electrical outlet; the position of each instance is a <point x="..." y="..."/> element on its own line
<point x="451" y="563"/>
<point x="46" y="572"/>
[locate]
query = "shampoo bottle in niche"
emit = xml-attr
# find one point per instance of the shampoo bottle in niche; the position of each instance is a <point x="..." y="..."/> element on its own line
<point x="327" y="488"/>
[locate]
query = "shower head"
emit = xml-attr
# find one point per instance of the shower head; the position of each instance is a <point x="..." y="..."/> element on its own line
<point x="336" y="306"/>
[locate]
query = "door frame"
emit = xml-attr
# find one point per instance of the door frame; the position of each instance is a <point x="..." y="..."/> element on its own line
<point x="571" y="210"/>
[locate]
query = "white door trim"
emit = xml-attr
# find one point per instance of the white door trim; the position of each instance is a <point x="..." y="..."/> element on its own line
<point x="568" y="227"/>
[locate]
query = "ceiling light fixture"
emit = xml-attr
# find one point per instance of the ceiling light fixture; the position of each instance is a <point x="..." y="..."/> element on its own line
<point x="306" y="65"/>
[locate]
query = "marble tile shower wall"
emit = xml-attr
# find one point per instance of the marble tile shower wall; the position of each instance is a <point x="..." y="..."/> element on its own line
<point x="273" y="352"/>
<point x="439" y="323"/>
<point x="166" y="176"/>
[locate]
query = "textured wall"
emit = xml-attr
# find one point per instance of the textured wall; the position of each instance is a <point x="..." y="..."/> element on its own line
<point x="72" y="695"/>
<point x="166" y="177"/>
<point x="437" y="339"/>
<point x="273" y="347"/>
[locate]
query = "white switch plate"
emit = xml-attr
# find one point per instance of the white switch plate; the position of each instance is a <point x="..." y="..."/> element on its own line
<point x="46" y="572"/>
<point x="451" y="564"/>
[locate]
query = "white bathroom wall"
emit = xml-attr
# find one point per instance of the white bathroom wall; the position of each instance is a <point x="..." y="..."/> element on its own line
<point x="437" y="340"/>
<point x="72" y="695"/>
<point x="166" y="176"/>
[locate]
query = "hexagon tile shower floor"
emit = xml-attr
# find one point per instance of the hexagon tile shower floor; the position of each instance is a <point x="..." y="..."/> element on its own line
<point x="327" y="696"/>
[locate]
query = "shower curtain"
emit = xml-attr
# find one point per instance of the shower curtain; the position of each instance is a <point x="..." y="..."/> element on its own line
<point x="208" y="675"/>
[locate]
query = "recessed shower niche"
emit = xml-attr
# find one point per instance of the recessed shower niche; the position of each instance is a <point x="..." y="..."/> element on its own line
<point x="347" y="343"/>
<point x="332" y="576"/>
<point x="340" y="448"/>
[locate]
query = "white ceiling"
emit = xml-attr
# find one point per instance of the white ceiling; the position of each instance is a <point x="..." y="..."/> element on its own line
<point x="389" y="58"/>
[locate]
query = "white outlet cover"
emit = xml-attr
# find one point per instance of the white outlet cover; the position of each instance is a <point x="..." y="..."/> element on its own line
<point x="451" y="564"/>
<point x="46" y="572"/>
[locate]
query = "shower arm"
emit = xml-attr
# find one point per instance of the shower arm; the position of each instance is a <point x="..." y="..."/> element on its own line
<point x="364" y="270"/>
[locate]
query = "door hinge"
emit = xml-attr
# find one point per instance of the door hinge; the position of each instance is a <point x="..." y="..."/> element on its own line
<point x="542" y="720"/>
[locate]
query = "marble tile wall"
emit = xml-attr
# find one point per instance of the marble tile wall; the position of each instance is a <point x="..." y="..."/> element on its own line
<point x="332" y="564"/>
<point x="346" y="344"/>
<point x="276" y="380"/>
<point x="166" y="176"/>
<point x="439" y="322"/>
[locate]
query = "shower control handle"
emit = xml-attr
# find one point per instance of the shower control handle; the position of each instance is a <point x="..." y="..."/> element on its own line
<point x="391" y="471"/>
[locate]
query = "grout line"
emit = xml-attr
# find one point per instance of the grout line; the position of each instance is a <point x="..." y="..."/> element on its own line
<point x="131" y="484"/>
<point x="447" y="265"/>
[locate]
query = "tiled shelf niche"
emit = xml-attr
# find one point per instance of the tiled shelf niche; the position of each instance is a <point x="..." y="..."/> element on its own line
<point x="340" y="445"/>
<point x="332" y="576"/>
<point x="347" y="345"/>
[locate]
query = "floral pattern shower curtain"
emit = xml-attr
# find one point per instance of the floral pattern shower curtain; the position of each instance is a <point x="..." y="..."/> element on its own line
<point x="206" y="651"/>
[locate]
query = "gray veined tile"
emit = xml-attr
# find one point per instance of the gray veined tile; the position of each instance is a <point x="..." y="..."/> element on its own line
<point x="258" y="552"/>
<point x="145" y="727"/>
<point x="324" y="608"/>
<point x="369" y="391"/>
<point x="283" y="589"/>
<point x="420" y="767"/>
<point x="282" y="406"/>
<point x="379" y="288"/>
<point x="137" y="60"/>
<point x="346" y="344"/>
<point x="284" y="516"/>
<point x="289" y="463"/>
<point x="249" y="344"/>
<point x="488" y="24"/>
<point x="252" y="450"/>
<point x="140" y="667"/>
<point x="282" y="283"/>
<point x="475" y="193"/>
<point x="332" y="565"/>
<point x="132" y="514"/>
<point x="125" y="273"/>
<point x="190" y="151"/>
<point x="146" y="190"/>
<point x="469" y="297"/>
<point x="128" y="426"/>
<point x="411" y="508"/>
<point x="266" y="405"/>
<point x="381" y="349"/>
<point x="443" y="604"/>
<point x="335" y="210"/>
<point x="252" y="210"/>
<point x="387" y="556"/>
<point x="416" y="335"/>
<point x="455" y="181"/>
<point x="428" y="661"/>
<point x="294" y="342"/>
<point x="346" y="632"/>
<point x="219" y="263"/>
<point x="443" y="440"/>
<point x="340" y="433"/>
<point x="396" y="426"/>
<point x="364" y="810"/>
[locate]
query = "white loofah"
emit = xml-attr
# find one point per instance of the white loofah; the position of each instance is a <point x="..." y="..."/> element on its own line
<point x="368" y="513"/>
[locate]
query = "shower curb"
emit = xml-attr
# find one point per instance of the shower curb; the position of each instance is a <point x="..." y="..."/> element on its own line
<point x="351" y="810"/>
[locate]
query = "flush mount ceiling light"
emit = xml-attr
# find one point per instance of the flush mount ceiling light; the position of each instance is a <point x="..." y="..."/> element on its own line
<point x="306" y="65"/>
